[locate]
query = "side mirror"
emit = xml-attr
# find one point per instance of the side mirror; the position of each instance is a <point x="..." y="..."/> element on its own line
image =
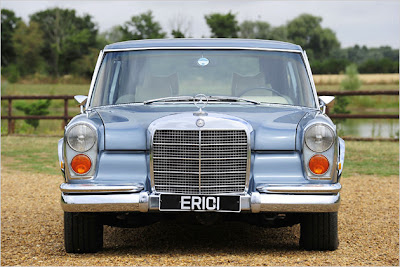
<point x="324" y="101"/>
<point x="81" y="99"/>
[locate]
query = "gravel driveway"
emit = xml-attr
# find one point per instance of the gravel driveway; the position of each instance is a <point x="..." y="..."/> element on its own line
<point x="32" y="232"/>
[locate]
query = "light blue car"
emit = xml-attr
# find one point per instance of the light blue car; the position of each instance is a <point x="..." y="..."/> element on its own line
<point x="207" y="129"/>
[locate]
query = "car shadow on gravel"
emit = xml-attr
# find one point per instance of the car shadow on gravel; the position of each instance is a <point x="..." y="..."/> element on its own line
<point x="227" y="237"/>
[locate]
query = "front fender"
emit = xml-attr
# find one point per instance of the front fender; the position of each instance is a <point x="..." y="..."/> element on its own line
<point x="60" y="155"/>
<point x="341" y="156"/>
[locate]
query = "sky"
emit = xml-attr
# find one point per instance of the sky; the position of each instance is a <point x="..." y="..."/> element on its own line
<point x="370" y="23"/>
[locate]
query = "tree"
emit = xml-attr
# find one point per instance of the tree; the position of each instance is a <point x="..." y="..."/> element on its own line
<point x="67" y="37"/>
<point x="331" y="65"/>
<point x="222" y="26"/>
<point x="255" y="30"/>
<point x="306" y="31"/>
<point x="279" y="33"/>
<point x="177" y="34"/>
<point x="28" y="43"/>
<point x="383" y="65"/>
<point x="383" y="59"/>
<point x="180" y="26"/>
<point x="351" y="82"/>
<point x="39" y="107"/>
<point x="142" y="26"/>
<point x="107" y="37"/>
<point x="84" y="65"/>
<point x="8" y="25"/>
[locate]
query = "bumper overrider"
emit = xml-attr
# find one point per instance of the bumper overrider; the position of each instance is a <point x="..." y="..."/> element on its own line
<point x="268" y="198"/>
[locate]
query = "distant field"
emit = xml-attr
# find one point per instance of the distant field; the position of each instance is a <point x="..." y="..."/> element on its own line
<point x="364" y="87"/>
<point x="380" y="78"/>
<point x="43" y="89"/>
<point x="323" y="82"/>
<point x="49" y="127"/>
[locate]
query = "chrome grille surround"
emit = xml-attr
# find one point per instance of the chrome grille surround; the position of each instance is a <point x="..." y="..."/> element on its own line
<point x="214" y="159"/>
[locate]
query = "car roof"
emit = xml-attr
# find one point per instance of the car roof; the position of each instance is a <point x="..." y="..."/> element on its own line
<point x="203" y="43"/>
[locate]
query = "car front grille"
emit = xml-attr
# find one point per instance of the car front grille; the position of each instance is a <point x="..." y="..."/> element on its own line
<point x="200" y="162"/>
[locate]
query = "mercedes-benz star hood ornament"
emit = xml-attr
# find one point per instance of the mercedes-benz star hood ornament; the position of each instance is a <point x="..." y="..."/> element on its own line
<point x="200" y="101"/>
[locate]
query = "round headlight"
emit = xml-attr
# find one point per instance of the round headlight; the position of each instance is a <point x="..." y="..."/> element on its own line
<point x="319" y="137"/>
<point x="81" y="137"/>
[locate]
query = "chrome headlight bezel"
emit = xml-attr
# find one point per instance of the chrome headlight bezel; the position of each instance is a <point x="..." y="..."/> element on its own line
<point x="92" y="131"/>
<point x="70" y="151"/>
<point x="326" y="135"/>
<point x="330" y="153"/>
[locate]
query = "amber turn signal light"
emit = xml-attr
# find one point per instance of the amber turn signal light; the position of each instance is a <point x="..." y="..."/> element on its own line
<point x="81" y="164"/>
<point x="318" y="164"/>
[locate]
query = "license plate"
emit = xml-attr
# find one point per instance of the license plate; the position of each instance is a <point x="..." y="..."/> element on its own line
<point x="170" y="202"/>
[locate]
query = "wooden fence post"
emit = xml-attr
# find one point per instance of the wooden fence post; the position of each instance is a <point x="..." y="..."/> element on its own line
<point x="10" y="121"/>
<point x="65" y="112"/>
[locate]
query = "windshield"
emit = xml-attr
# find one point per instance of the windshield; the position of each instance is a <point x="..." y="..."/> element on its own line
<point x="262" y="76"/>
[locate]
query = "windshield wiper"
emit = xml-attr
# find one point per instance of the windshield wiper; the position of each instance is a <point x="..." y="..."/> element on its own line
<point x="191" y="98"/>
<point x="169" y="99"/>
<point x="233" y="98"/>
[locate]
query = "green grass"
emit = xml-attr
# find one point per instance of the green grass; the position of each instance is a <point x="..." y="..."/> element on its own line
<point x="371" y="158"/>
<point x="30" y="154"/>
<point x="364" y="87"/>
<point x="39" y="155"/>
<point x="51" y="127"/>
<point x="44" y="89"/>
<point x="379" y="104"/>
<point x="83" y="89"/>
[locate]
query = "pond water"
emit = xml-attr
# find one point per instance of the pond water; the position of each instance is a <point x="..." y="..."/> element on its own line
<point x="385" y="128"/>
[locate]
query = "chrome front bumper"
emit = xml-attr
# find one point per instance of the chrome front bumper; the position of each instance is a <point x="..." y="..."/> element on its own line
<point x="269" y="198"/>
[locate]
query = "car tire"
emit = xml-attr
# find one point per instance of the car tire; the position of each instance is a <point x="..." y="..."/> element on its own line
<point x="319" y="231"/>
<point x="83" y="232"/>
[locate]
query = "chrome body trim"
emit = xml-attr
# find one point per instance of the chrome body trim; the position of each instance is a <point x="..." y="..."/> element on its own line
<point x="294" y="203"/>
<point x="254" y="203"/>
<point x="105" y="202"/>
<point x="301" y="188"/>
<point x="102" y="52"/>
<point x="202" y="48"/>
<point x="96" y="188"/>
<point x="310" y="76"/>
<point x="94" y="78"/>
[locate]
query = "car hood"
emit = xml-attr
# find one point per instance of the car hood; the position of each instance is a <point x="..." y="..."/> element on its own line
<point x="273" y="126"/>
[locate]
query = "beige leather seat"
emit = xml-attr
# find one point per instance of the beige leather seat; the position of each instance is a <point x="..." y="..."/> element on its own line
<point x="255" y="88"/>
<point x="158" y="87"/>
<point x="240" y="83"/>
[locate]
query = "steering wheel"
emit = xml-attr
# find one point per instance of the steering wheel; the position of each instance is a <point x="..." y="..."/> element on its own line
<point x="261" y="88"/>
